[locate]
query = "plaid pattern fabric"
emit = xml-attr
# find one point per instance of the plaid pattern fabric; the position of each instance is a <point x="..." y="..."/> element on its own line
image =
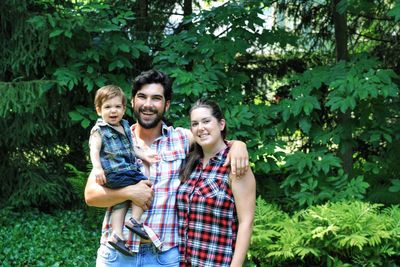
<point x="116" y="152"/>
<point x="161" y="218"/>
<point x="207" y="216"/>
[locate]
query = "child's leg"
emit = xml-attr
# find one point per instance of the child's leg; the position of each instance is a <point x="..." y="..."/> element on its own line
<point x="137" y="212"/>
<point x="134" y="223"/>
<point x="118" y="220"/>
<point x="116" y="240"/>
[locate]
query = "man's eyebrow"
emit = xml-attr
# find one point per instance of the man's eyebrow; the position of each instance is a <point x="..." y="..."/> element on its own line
<point x="155" y="95"/>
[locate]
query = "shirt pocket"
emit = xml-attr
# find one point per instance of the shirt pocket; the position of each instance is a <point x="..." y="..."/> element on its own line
<point x="170" y="164"/>
<point x="118" y="152"/>
<point x="215" y="187"/>
<point x="109" y="140"/>
<point x="212" y="198"/>
<point x="110" y="135"/>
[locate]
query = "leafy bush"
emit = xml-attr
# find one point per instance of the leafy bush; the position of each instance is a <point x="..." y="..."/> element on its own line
<point x="335" y="234"/>
<point x="311" y="117"/>
<point x="39" y="239"/>
<point x="77" y="179"/>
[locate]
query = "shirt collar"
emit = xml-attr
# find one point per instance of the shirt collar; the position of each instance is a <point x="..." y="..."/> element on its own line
<point x="221" y="154"/>
<point x="164" y="129"/>
<point x="100" y="122"/>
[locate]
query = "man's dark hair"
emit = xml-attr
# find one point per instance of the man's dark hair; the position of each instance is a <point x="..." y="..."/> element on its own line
<point x="153" y="76"/>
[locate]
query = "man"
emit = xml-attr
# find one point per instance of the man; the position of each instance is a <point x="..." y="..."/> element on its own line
<point x="151" y="98"/>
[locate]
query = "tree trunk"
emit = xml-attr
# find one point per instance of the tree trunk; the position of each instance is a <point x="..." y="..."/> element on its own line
<point x="187" y="7"/>
<point x="187" y="11"/>
<point x="346" y="145"/>
<point x="142" y="28"/>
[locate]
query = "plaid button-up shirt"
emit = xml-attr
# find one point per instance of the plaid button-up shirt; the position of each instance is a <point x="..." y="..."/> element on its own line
<point x="207" y="216"/>
<point x="172" y="146"/>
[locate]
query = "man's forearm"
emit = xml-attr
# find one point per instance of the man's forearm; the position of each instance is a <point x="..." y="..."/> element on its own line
<point x="141" y="194"/>
<point x="100" y="196"/>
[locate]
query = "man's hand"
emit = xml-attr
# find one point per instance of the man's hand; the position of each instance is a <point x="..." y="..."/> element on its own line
<point x="238" y="158"/>
<point x="141" y="194"/>
<point x="100" y="176"/>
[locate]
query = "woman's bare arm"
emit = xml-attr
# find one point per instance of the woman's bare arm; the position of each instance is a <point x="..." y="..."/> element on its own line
<point x="244" y="192"/>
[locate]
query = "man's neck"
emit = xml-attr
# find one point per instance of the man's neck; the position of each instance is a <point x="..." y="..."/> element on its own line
<point x="148" y="135"/>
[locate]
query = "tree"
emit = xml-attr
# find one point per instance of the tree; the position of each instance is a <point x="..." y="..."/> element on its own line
<point x="318" y="126"/>
<point x="340" y="24"/>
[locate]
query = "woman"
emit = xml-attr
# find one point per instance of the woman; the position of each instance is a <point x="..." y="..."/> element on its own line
<point x="215" y="211"/>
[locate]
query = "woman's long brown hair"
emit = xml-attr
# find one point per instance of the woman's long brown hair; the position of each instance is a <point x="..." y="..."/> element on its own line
<point x="196" y="152"/>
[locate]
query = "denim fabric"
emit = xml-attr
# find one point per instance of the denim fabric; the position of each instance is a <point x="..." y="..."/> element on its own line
<point x="147" y="256"/>
<point x="124" y="178"/>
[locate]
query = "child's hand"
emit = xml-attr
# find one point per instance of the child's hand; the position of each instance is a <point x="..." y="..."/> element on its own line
<point x="146" y="154"/>
<point x="150" y="157"/>
<point x="100" y="176"/>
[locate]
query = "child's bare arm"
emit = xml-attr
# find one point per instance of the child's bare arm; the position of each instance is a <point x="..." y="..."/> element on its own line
<point x="95" y="146"/>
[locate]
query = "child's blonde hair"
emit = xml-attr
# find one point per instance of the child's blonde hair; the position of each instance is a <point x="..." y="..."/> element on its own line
<point x="107" y="92"/>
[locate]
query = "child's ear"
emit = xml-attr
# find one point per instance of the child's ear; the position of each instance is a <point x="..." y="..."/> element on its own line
<point x="98" y="110"/>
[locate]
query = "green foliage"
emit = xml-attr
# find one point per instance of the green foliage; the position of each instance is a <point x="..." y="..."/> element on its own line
<point x="48" y="78"/>
<point x="301" y="136"/>
<point x="91" y="48"/>
<point x="276" y="80"/>
<point x="350" y="232"/>
<point x="311" y="116"/>
<point x="49" y="194"/>
<point x="395" y="11"/>
<point x="39" y="239"/>
<point x="35" y="183"/>
<point x="203" y="60"/>
<point x="396" y="186"/>
<point x="77" y="179"/>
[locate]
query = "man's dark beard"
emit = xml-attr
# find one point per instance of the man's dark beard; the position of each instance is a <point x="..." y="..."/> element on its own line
<point x="151" y="124"/>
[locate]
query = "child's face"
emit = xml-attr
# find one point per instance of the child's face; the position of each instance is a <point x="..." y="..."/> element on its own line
<point x="112" y="110"/>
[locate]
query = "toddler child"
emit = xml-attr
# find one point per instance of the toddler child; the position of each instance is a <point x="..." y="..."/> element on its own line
<point x="113" y="158"/>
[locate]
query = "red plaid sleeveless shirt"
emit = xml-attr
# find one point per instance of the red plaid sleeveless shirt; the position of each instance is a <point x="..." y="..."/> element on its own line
<point x="207" y="216"/>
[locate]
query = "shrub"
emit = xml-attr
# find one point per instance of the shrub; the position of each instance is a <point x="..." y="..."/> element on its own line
<point x="335" y="234"/>
<point x="38" y="239"/>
